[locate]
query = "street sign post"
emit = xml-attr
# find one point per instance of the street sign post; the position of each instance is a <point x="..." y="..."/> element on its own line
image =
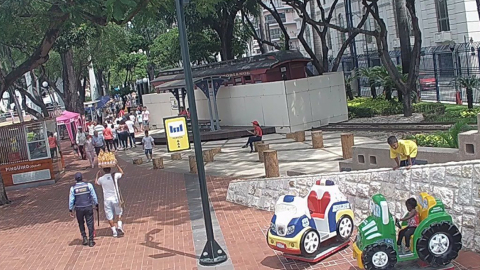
<point x="212" y="252"/>
<point x="176" y="133"/>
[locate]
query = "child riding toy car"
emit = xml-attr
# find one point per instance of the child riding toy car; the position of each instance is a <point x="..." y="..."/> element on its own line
<point x="436" y="240"/>
<point x="300" y="225"/>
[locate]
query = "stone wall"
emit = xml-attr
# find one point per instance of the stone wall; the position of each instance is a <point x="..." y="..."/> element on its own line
<point x="457" y="184"/>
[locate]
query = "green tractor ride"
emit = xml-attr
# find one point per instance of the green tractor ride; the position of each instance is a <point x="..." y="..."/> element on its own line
<point x="436" y="240"/>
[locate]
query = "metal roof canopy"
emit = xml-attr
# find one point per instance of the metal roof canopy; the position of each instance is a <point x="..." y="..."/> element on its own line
<point x="176" y="84"/>
<point x="233" y="67"/>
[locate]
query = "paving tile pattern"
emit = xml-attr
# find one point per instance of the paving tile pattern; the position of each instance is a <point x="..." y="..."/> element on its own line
<point x="37" y="232"/>
<point x="244" y="231"/>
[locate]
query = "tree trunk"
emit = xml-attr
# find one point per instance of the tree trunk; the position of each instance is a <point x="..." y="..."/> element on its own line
<point x="407" y="103"/>
<point x="400" y="96"/>
<point x="226" y="39"/>
<point x="478" y="7"/>
<point x="388" y="92"/>
<point x="100" y="82"/>
<point x="349" y="92"/>
<point x="373" y="89"/>
<point x="263" y="35"/>
<point x="403" y="34"/>
<point x="3" y="194"/>
<point x="470" y="98"/>
<point x="70" y="83"/>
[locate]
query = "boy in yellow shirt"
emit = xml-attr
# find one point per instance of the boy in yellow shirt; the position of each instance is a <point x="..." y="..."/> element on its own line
<point x="406" y="149"/>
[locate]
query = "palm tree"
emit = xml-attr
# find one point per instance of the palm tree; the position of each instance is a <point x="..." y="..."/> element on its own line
<point x="384" y="79"/>
<point x="469" y="83"/>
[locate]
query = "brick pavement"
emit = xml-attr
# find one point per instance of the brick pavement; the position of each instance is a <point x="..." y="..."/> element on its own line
<point x="36" y="231"/>
<point x="244" y="231"/>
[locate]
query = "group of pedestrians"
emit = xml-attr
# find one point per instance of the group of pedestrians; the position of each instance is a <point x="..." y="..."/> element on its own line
<point x="83" y="200"/>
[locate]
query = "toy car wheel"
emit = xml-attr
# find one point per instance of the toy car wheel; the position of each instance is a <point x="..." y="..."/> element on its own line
<point x="309" y="243"/>
<point x="379" y="257"/>
<point x="439" y="244"/>
<point x="344" y="228"/>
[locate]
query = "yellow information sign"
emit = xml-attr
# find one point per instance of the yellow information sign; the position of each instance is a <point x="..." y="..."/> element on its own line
<point x="176" y="132"/>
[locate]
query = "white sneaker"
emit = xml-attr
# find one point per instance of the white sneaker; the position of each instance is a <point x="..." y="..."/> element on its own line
<point x="114" y="232"/>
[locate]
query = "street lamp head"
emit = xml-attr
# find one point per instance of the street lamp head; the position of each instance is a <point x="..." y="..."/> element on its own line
<point x="145" y="80"/>
<point x="45" y="84"/>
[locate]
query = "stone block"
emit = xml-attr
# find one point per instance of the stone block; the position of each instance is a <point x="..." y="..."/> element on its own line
<point x="362" y="203"/>
<point x="137" y="161"/>
<point x="363" y="190"/>
<point x="469" y="221"/>
<point x="464" y="192"/>
<point x="364" y="178"/>
<point x="476" y="174"/>
<point x="454" y="170"/>
<point x="468" y="238"/>
<point x="467" y="171"/>
<point x="350" y="189"/>
<point x="437" y="175"/>
<point x="445" y="194"/>
<point x="382" y="176"/>
<point x="176" y="156"/>
<point x="375" y="188"/>
<point x="476" y="247"/>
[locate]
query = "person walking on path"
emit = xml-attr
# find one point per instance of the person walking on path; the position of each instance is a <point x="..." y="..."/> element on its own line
<point x="98" y="142"/>
<point x="139" y="117"/>
<point x="108" y="136"/>
<point x="52" y="142"/>
<point x="90" y="151"/>
<point x="146" y="118"/>
<point x="112" y="198"/>
<point x="257" y="136"/>
<point x="99" y="128"/>
<point x="406" y="149"/>
<point x="148" y="144"/>
<point x="114" y="129"/>
<point x="80" y="139"/>
<point x="82" y="199"/>
<point x="131" y="131"/>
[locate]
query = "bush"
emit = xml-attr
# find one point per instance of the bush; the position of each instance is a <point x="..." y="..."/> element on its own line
<point x="470" y="113"/>
<point x="368" y="107"/>
<point x="429" y="140"/>
<point x="359" y="112"/>
<point x="429" y="108"/>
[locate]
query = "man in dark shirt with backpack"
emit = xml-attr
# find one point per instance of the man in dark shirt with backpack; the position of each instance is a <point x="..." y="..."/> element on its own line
<point x="82" y="199"/>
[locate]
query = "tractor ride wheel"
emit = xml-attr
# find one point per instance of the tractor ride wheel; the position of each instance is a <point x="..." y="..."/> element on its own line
<point x="439" y="244"/>
<point x="309" y="243"/>
<point x="379" y="257"/>
<point x="344" y="228"/>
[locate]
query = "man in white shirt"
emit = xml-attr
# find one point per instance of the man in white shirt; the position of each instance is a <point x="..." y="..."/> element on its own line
<point x="146" y="118"/>
<point x="112" y="198"/>
<point x="131" y="130"/>
<point x="99" y="128"/>
<point x="148" y="144"/>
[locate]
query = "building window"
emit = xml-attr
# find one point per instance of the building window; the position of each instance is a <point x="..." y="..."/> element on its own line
<point x="442" y="15"/>
<point x="270" y="19"/>
<point x="275" y="33"/>
<point x="341" y="23"/>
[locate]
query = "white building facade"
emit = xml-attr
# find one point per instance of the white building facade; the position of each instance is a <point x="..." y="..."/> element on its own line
<point x="441" y="22"/>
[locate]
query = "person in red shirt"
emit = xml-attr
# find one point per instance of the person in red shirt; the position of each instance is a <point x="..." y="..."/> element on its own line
<point x="257" y="136"/>
<point x="108" y="136"/>
<point x="52" y="142"/>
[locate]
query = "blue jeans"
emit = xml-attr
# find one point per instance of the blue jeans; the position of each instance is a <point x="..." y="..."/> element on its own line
<point x="404" y="163"/>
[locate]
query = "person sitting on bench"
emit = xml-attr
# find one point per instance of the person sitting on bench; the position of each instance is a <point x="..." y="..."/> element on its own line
<point x="257" y="136"/>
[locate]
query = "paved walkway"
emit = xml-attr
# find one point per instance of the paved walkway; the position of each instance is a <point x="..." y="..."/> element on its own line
<point x="162" y="231"/>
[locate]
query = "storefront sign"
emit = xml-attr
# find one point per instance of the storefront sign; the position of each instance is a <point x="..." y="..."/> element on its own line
<point x="27" y="171"/>
<point x="176" y="132"/>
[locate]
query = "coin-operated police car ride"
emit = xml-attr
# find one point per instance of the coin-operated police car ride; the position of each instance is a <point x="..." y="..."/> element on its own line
<point x="300" y="226"/>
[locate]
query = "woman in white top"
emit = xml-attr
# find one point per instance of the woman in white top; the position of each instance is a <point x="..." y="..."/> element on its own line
<point x="139" y="118"/>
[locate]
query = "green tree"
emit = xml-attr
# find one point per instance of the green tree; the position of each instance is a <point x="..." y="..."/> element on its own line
<point x="31" y="28"/>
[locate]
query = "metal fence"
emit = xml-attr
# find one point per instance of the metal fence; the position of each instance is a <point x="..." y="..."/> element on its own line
<point x="440" y="66"/>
